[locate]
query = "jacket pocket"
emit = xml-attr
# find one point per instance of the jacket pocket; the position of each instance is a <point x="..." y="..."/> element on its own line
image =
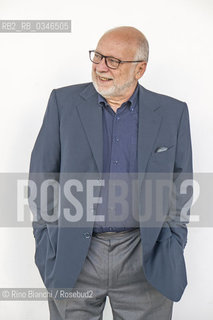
<point x="41" y="241"/>
<point x="165" y="233"/>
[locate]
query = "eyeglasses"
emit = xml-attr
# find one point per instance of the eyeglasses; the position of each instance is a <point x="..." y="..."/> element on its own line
<point x="111" y="62"/>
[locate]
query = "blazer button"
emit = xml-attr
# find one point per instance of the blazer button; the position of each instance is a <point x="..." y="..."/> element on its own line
<point x="87" y="235"/>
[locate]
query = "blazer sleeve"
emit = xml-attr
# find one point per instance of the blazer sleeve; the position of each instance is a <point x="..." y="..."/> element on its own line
<point x="181" y="201"/>
<point x="45" y="164"/>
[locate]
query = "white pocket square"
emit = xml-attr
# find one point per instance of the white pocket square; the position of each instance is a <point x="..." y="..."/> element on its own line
<point x="161" y="149"/>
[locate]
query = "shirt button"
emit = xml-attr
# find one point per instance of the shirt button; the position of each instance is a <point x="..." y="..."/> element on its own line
<point x="87" y="235"/>
<point x="117" y="139"/>
<point x="115" y="162"/>
<point x="117" y="118"/>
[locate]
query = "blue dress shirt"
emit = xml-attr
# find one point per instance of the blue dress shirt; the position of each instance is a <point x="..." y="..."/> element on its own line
<point x="120" y="130"/>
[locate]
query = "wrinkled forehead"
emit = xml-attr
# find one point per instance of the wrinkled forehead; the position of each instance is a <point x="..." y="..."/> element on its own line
<point x="121" y="46"/>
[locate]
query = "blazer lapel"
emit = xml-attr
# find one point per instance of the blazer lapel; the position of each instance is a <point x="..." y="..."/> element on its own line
<point x="91" y="117"/>
<point x="149" y="125"/>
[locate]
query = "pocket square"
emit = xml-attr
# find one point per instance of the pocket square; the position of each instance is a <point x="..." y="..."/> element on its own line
<point x="161" y="149"/>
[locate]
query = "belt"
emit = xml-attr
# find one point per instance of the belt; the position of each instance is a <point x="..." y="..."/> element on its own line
<point x="113" y="232"/>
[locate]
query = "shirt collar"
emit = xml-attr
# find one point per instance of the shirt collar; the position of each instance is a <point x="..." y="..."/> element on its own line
<point x="102" y="101"/>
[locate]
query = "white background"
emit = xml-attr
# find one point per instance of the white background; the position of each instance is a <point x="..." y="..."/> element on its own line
<point x="31" y="65"/>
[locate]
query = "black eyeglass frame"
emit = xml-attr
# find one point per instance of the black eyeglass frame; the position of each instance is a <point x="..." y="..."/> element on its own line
<point x="105" y="57"/>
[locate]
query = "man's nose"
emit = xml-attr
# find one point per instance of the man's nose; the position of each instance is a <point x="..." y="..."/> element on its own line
<point x="102" y="67"/>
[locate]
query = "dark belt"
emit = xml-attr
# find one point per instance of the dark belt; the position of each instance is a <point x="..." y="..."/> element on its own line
<point x="114" y="232"/>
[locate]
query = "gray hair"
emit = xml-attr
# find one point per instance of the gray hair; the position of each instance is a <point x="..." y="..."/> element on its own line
<point x="142" y="50"/>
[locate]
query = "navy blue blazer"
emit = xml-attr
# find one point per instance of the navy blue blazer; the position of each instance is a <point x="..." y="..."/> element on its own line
<point x="70" y="141"/>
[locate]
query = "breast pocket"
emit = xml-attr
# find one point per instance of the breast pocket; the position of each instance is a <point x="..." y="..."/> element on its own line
<point x="162" y="161"/>
<point x="162" y="150"/>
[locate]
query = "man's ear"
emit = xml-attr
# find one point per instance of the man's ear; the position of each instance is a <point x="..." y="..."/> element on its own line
<point x="140" y="69"/>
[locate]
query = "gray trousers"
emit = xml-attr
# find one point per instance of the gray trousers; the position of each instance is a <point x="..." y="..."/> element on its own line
<point x="113" y="268"/>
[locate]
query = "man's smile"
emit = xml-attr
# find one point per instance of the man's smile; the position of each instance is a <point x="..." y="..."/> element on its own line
<point x="103" y="79"/>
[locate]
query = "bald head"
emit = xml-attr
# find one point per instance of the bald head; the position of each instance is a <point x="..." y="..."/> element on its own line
<point x="131" y="38"/>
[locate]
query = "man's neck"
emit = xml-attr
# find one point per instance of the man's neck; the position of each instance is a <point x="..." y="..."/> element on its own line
<point x="116" y="102"/>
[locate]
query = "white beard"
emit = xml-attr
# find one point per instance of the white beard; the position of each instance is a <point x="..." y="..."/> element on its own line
<point x="114" y="90"/>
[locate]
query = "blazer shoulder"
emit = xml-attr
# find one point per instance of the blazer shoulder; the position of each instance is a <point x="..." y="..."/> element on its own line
<point x="72" y="89"/>
<point x="166" y="101"/>
<point x="72" y="94"/>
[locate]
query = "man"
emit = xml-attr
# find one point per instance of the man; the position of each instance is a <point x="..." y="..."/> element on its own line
<point x="131" y="252"/>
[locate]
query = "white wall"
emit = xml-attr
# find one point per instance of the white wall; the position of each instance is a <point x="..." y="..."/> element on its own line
<point x="31" y="65"/>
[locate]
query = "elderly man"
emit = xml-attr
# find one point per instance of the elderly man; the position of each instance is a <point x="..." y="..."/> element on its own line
<point x="114" y="127"/>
